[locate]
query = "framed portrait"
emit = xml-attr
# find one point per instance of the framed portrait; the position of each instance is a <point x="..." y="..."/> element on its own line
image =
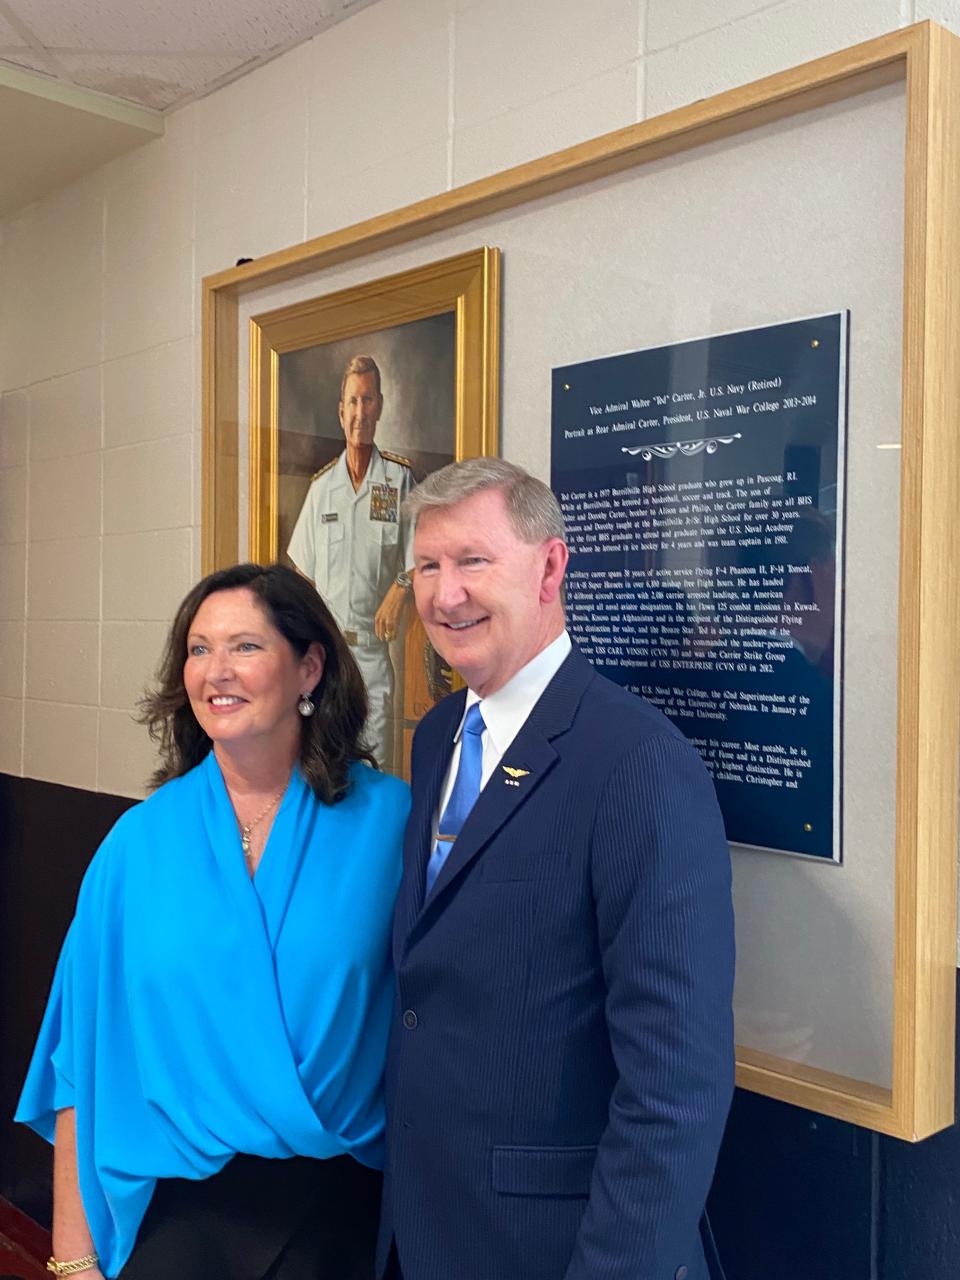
<point x="354" y="398"/>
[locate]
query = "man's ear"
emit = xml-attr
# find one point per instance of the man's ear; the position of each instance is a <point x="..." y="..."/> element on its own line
<point x="554" y="567"/>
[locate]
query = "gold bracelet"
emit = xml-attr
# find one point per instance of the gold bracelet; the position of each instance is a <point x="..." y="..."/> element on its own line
<point x="72" y="1268"/>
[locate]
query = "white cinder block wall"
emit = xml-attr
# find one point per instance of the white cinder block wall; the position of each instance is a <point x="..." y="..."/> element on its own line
<point x="99" y="290"/>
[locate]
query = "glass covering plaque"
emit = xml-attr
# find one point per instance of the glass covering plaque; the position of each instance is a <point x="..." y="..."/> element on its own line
<point x="702" y="487"/>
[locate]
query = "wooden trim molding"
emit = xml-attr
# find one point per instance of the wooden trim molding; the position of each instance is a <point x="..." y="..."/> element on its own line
<point x="927" y="59"/>
<point x="929" y="680"/>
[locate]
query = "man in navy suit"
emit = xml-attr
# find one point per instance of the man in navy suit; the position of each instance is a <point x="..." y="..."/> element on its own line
<point x="561" y="1059"/>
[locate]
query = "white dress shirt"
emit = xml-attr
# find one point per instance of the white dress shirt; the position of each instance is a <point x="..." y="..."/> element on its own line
<point x="505" y="713"/>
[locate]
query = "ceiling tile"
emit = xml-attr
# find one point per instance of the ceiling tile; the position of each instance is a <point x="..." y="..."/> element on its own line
<point x="151" y="80"/>
<point x="24" y="60"/>
<point x="157" y="56"/>
<point x="177" y="26"/>
<point x="9" y="35"/>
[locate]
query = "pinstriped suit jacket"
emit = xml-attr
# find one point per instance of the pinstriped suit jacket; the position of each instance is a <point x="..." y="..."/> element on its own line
<point x="561" y="1059"/>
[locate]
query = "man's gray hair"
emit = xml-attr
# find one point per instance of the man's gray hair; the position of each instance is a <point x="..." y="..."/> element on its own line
<point x="533" y="510"/>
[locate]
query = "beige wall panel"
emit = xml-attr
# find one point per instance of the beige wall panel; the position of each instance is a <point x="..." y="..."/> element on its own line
<point x="250" y="235"/>
<point x="65" y="415"/>
<point x="393" y="149"/>
<point x="60" y="744"/>
<point x="668" y="22"/>
<point x="149" y="198"/>
<point x="778" y="37"/>
<point x="127" y="756"/>
<point x="148" y="486"/>
<point x="19" y="267"/>
<point x="946" y="12"/>
<point x="11" y="736"/>
<point x="149" y="395"/>
<point x="130" y="652"/>
<point x="403" y="108"/>
<point x="280" y="85"/>
<point x="11" y="659"/>
<point x="14" y="420"/>
<point x="65" y="498"/>
<point x="64" y="580"/>
<point x="13" y="504"/>
<point x="13" y="581"/>
<point x="69" y="331"/>
<point x="238" y="154"/>
<point x="510" y="55"/>
<point x="582" y="111"/>
<point x="60" y="303"/>
<point x="63" y="662"/>
<point x="341" y="197"/>
<point x="50" y="264"/>
<point x="149" y="302"/>
<point x="146" y="575"/>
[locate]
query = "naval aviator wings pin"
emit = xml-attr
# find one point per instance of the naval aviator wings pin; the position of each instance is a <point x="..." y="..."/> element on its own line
<point x="514" y="775"/>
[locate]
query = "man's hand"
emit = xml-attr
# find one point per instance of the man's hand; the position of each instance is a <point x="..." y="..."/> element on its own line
<point x="389" y="617"/>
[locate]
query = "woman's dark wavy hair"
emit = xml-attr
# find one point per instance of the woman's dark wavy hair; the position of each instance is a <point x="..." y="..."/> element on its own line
<point x="330" y="739"/>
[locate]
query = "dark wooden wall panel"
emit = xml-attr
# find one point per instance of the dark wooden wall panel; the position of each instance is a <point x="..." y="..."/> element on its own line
<point x="919" y="1214"/>
<point x="48" y="834"/>
<point x="792" y="1195"/>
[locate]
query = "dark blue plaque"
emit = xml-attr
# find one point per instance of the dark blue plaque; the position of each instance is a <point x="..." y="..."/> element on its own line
<point x="702" y="486"/>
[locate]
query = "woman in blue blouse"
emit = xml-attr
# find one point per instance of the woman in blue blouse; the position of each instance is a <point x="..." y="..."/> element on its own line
<point x="210" y="1062"/>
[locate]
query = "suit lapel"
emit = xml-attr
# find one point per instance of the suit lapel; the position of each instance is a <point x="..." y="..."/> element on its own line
<point x="498" y="802"/>
<point x="531" y="751"/>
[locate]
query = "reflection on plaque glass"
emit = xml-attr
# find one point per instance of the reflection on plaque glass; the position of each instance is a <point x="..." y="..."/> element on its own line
<point x="702" y="487"/>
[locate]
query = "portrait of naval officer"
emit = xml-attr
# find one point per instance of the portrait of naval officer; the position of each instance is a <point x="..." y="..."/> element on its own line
<point x="352" y="541"/>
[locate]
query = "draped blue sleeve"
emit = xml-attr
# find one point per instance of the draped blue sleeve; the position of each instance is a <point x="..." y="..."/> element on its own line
<point x="195" y="1013"/>
<point x="49" y="1084"/>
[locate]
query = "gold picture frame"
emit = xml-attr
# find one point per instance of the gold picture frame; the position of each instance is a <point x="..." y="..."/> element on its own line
<point x="467" y="287"/>
<point x="433" y="333"/>
<point x="926" y="60"/>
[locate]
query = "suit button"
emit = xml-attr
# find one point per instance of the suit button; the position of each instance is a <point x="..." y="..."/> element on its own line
<point x="681" y="1273"/>
<point x="410" y="1021"/>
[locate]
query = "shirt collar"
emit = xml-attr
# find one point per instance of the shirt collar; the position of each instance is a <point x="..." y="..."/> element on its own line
<point x="506" y="711"/>
<point x="375" y="472"/>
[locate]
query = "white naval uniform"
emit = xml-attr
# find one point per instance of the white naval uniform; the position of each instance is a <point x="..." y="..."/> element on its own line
<point x="353" y="545"/>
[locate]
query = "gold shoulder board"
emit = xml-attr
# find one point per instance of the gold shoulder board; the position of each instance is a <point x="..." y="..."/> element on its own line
<point x="395" y="457"/>
<point x="332" y="463"/>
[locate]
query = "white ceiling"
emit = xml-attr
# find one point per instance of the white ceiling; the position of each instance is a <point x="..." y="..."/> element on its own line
<point x="157" y="55"/>
<point x="84" y="80"/>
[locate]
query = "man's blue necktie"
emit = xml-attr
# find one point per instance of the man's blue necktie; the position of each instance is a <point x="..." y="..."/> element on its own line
<point x="463" y="797"/>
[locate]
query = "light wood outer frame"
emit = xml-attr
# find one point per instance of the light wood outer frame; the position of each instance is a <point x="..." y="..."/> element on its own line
<point x="927" y="58"/>
<point x="468" y="285"/>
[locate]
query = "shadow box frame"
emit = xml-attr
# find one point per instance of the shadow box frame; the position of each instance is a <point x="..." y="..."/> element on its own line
<point x="926" y="58"/>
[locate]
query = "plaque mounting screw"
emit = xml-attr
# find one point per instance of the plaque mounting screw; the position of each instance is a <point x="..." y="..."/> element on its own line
<point x="808" y="826"/>
<point x="814" y="342"/>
